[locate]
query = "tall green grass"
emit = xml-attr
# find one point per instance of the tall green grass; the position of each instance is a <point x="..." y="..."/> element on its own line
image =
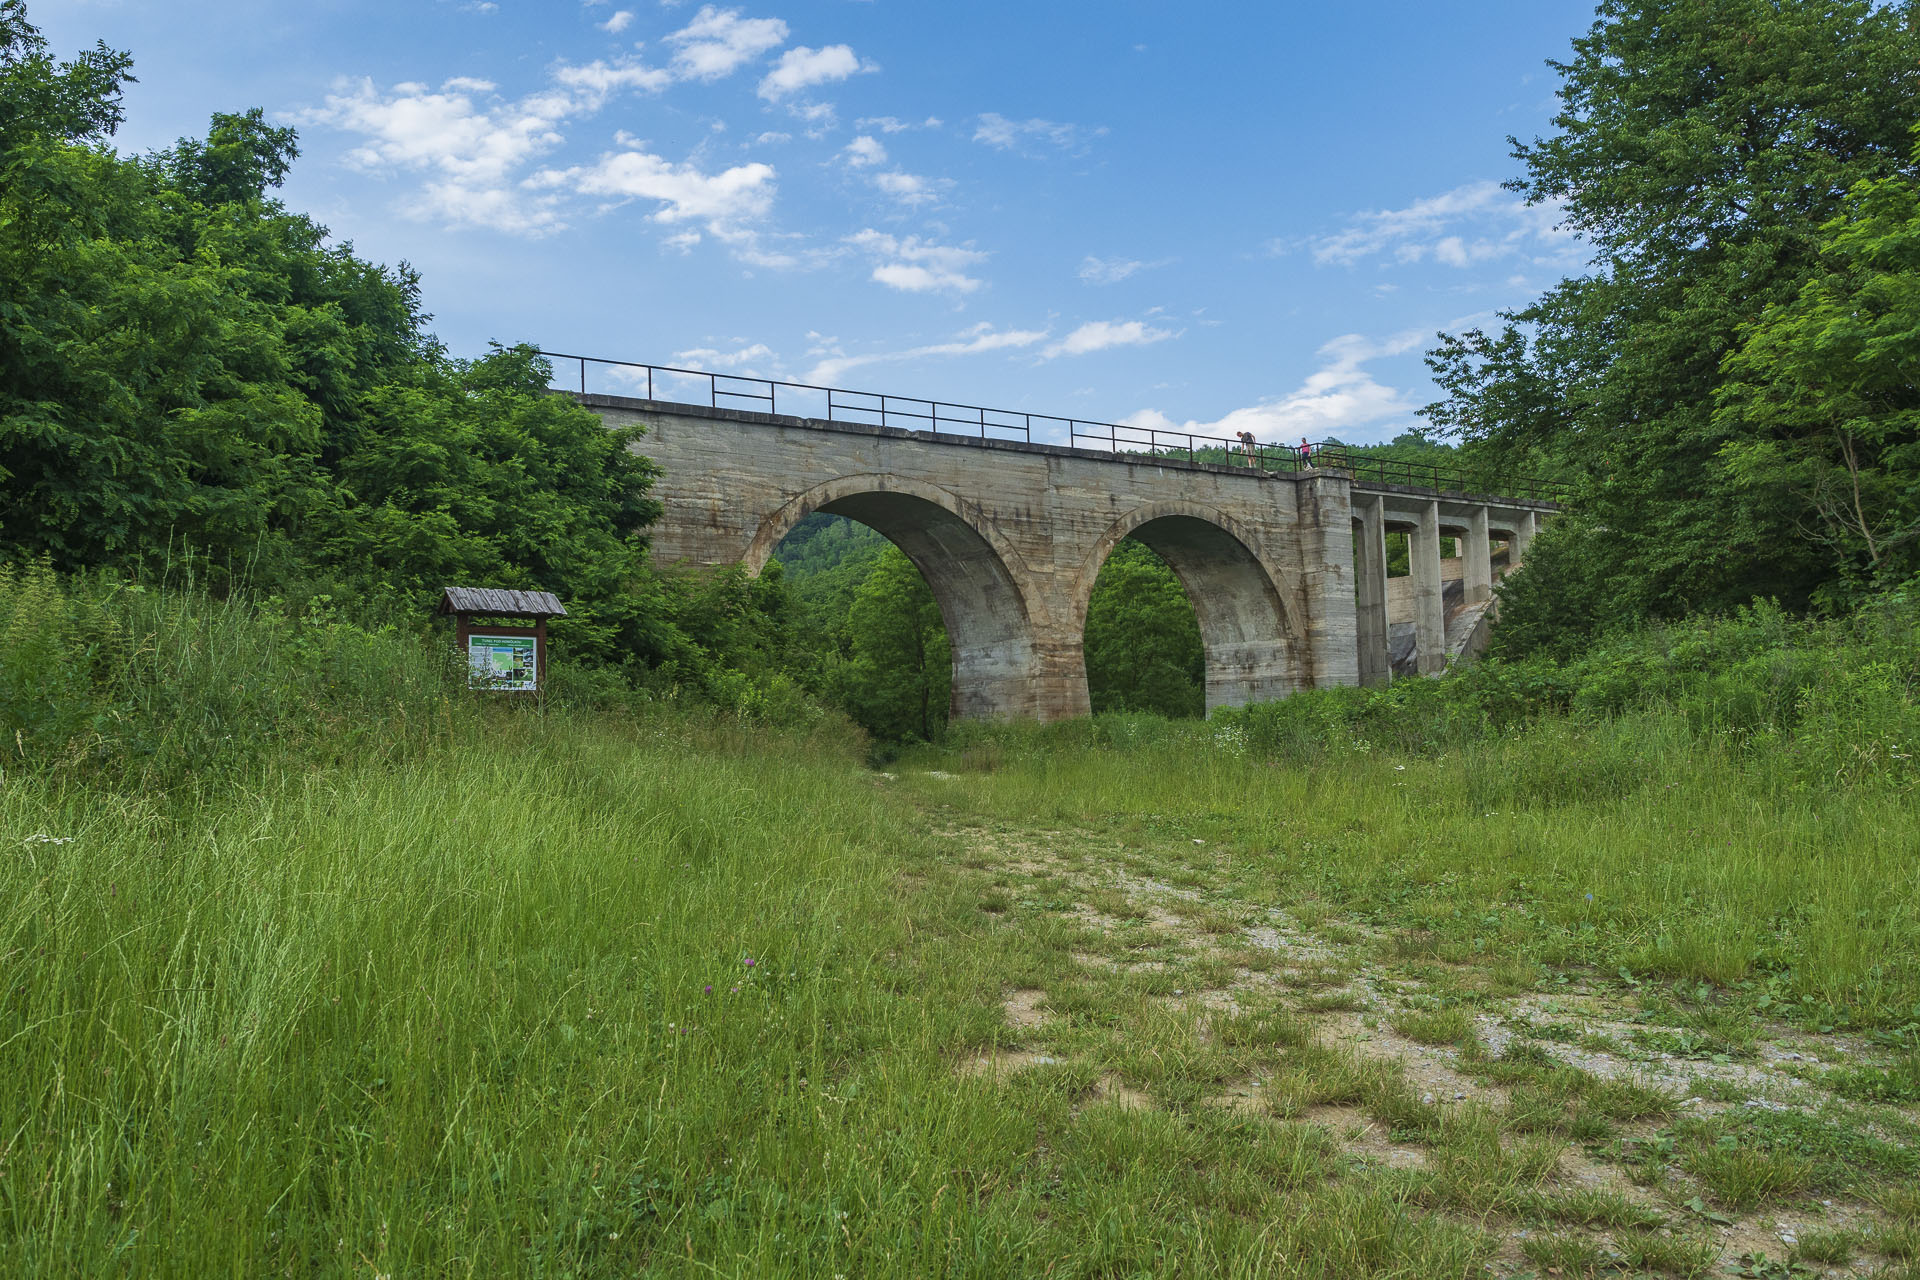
<point x="143" y="688"/>
<point x="1727" y="801"/>
<point x="1631" y="844"/>
<point x="310" y="964"/>
<point x="568" y="995"/>
<point x="1813" y="704"/>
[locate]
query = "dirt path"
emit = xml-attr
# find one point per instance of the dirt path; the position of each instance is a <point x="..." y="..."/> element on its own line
<point x="1594" y="1129"/>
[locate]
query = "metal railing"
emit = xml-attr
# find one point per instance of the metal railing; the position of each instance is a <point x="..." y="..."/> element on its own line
<point x="669" y="384"/>
<point x="1369" y="468"/>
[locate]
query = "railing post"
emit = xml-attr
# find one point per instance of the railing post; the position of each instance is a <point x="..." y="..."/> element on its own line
<point x="583" y="375"/>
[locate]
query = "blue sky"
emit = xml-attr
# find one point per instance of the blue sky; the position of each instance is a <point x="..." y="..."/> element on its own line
<point x="1238" y="216"/>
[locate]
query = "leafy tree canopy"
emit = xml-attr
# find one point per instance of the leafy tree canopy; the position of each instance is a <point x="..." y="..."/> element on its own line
<point x="1821" y="403"/>
<point x="900" y="676"/>
<point x="189" y="367"/>
<point x="1700" y="148"/>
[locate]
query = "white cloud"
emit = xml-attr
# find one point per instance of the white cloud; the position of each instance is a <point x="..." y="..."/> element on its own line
<point x="864" y="152"/>
<point x="473" y="148"/>
<point x="1113" y="270"/>
<point x="457" y="204"/>
<point x="596" y="81"/>
<point x="893" y="124"/>
<point x="1335" y="401"/>
<point x="818" y="114"/>
<point x="414" y="127"/>
<point x="468" y="141"/>
<point x="910" y="188"/>
<point x="1475" y="223"/>
<point x="996" y="130"/>
<point x="619" y="22"/>
<point x="719" y="41"/>
<point x="711" y="358"/>
<point x="772" y="137"/>
<point x="722" y="202"/>
<point x="913" y="265"/>
<point x="980" y="338"/>
<point x="1108" y="270"/>
<point x="802" y="68"/>
<point x="1099" y="335"/>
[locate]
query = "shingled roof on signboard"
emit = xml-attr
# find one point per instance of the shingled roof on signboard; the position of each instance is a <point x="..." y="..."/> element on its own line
<point x="498" y="601"/>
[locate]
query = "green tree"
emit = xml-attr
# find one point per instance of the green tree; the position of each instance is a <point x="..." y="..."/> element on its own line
<point x="76" y="101"/>
<point x="187" y="366"/>
<point x="898" y="681"/>
<point x="1699" y="148"/>
<point x="1822" y="402"/>
<point x="467" y="471"/>
<point x="1143" y="649"/>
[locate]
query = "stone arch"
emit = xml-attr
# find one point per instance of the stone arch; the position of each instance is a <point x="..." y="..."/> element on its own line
<point x="975" y="576"/>
<point x="1241" y="600"/>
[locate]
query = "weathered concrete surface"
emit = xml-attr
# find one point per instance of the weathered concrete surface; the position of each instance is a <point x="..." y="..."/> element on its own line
<point x="1010" y="537"/>
<point x="1373" y="609"/>
<point x="1465" y="582"/>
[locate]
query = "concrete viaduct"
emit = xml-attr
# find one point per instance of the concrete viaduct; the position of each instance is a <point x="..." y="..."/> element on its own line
<point x="1287" y="570"/>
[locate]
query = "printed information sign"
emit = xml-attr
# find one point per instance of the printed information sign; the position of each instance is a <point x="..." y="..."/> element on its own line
<point x="501" y="663"/>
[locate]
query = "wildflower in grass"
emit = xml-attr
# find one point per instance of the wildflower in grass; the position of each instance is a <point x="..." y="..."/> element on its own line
<point x="709" y="990"/>
<point x="749" y="962"/>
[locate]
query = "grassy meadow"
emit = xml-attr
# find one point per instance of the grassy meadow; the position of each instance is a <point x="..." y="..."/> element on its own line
<point x="315" y="967"/>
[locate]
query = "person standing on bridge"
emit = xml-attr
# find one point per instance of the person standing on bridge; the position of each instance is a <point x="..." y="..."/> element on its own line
<point x="1306" y="454"/>
<point x="1246" y="447"/>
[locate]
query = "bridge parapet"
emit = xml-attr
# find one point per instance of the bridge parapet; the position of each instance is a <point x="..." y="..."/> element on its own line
<point x="952" y="420"/>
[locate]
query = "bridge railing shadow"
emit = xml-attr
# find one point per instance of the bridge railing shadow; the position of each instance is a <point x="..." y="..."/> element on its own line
<point x="716" y="389"/>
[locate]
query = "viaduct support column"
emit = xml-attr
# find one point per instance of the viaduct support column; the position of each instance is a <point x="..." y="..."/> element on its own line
<point x="1429" y="604"/>
<point x="1522" y="535"/>
<point x="1059" y="674"/>
<point x="1370" y="564"/>
<point x="1479" y="559"/>
<point x="1326" y="580"/>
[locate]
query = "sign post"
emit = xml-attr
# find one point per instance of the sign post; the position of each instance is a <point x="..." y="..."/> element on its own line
<point x="503" y="654"/>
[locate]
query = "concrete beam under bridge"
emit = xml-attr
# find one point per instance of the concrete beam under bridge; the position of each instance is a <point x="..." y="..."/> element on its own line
<point x="1011" y="535"/>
